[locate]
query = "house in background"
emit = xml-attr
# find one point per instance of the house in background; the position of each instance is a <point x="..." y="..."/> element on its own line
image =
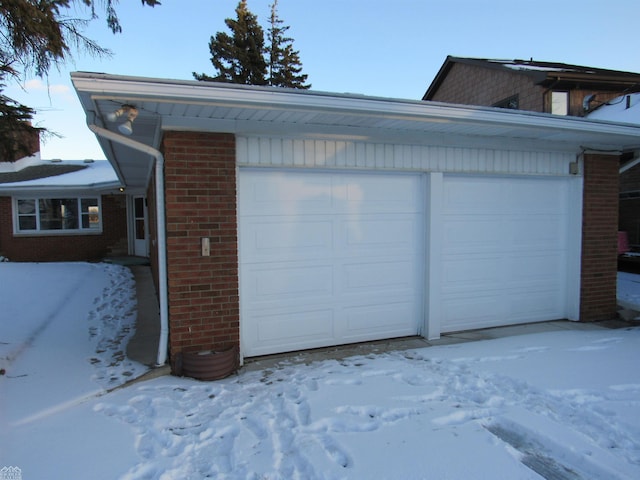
<point x="555" y="88"/>
<point x="535" y="86"/>
<point x="626" y="109"/>
<point x="283" y="220"/>
<point x="53" y="210"/>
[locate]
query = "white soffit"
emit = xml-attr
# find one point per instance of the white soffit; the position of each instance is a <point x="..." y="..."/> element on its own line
<point x="247" y="110"/>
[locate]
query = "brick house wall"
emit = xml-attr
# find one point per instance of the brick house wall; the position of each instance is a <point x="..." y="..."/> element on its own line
<point x="470" y="85"/>
<point x="200" y="186"/>
<point x="67" y="248"/>
<point x="473" y="85"/>
<point x="599" y="238"/>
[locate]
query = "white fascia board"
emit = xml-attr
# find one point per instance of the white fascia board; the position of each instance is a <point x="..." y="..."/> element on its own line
<point x="17" y="189"/>
<point x="131" y="88"/>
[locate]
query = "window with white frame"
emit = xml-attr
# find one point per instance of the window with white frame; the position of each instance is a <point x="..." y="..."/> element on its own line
<point x="560" y="103"/>
<point x="57" y="215"/>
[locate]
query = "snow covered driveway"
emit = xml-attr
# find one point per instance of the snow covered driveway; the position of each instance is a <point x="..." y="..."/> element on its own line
<point x="563" y="405"/>
<point x="558" y="405"/>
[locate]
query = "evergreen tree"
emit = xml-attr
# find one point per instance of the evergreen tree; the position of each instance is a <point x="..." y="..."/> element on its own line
<point x="16" y="132"/>
<point x="238" y="58"/>
<point x="285" y="66"/>
<point x="34" y="36"/>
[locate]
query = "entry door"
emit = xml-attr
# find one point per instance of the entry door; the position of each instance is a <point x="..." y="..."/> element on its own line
<point x="328" y="258"/>
<point x="140" y="227"/>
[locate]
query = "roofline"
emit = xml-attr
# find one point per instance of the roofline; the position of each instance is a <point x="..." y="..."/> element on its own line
<point x="78" y="78"/>
<point x="108" y="86"/>
<point x="596" y="76"/>
<point x="96" y="188"/>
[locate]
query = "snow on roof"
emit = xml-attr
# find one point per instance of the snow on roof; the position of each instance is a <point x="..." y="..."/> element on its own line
<point x="61" y="174"/>
<point x="623" y="109"/>
<point x="538" y="68"/>
<point x="542" y="66"/>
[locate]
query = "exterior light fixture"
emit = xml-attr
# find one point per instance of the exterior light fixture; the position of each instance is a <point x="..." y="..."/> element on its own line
<point x="129" y="113"/>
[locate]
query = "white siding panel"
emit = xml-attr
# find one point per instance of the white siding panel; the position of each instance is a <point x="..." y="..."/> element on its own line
<point x="321" y="153"/>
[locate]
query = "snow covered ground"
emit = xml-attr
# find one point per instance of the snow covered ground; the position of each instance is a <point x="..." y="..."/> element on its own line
<point x="551" y="405"/>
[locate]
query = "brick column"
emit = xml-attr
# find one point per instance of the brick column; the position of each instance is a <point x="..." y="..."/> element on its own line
<point x="599" y="238"/>
<point x="200" y="186"/>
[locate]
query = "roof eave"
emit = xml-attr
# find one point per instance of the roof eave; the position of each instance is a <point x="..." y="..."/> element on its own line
<point x="416" y="115"/>
<point x="99" y="188"/>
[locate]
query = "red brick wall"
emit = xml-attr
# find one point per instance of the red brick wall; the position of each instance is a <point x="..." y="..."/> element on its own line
<point x="67" y="248"/>
<point x="599" y="238"/>
<point x="470" y="85"/>
<point x="200" y="186"/>
<point x="474" y="85"/>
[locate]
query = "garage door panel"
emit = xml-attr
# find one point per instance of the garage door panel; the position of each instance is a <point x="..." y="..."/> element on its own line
<point x="276" y="193"/>
<point x="531" y="305"/>
<point x="506" y="233"/>
<point x="387" y="320"/>
<point x="277" y="284"/>
<point x="485" y="234"/>
<point x="287" y="238"/>
<point x="466" y="313"/>
<point x="537" y="232"/>
<point x="288" y="193"/>
<point x="388" y="232"/>
<point x="537" y="268"/>
<point x="289" y="329"/>
<point x="492" y="310"/>
<point x="462" y="273"/>
<point x="534" y="196"/>
<point x="464" y="195"/>
<point x="383" y="276"/>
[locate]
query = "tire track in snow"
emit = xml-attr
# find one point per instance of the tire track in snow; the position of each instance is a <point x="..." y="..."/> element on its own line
<point x="483" y="397"/>
<point x="44" y="324"/>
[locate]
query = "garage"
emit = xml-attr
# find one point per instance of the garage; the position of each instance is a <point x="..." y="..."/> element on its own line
<point x="328" y="258"/>
<point x="505" y="243"/>
<point x="286" y="220"/>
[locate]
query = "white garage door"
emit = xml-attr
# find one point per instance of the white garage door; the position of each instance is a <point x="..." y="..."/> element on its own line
<point x="505" y="243"/>
<point x="328" y="258"/>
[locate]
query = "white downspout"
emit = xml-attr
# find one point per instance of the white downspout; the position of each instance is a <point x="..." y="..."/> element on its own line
<point x="161" y="230"/>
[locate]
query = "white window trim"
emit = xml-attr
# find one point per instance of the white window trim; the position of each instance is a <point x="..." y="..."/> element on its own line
<point x="562" y="95"/>
<point x="51" y="233"/>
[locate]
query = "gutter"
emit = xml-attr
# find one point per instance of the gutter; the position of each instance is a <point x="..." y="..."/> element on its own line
<point x="161" y="227"/>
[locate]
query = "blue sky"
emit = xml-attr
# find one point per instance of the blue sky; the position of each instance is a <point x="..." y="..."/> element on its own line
<point x="390" y="48"/>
